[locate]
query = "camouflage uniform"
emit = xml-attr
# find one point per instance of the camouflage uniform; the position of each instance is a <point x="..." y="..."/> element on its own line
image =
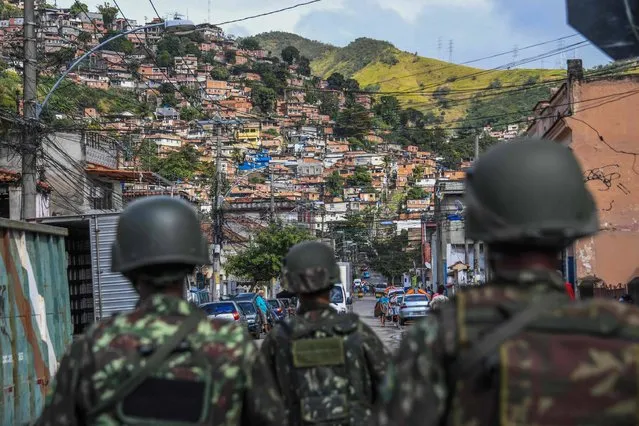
<point x="494" y="355"/>
<point x="198" y="371"/>
<point x="336" y="381"/>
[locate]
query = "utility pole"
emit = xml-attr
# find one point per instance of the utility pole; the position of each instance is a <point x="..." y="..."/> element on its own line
<point x="323" y="206"/>
<point x="29" y="137"/>
<point x="272" y="194"/>
<point x="476" y="251"/>
<point x="217" y="218"/>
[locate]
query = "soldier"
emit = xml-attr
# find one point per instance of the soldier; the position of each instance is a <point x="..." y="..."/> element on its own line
<point x="164" y="362"/>
<point x="328" y="366"/>
<point x="518" y="351"/>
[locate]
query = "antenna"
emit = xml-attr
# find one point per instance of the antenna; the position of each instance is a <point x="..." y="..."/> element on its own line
<point x="439" y="47"/>
<point x="450" y="51"/>
<point x="209" y="13"/>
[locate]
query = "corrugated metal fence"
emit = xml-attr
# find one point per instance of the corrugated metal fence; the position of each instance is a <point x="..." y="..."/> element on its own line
<point x="35" y="317"/>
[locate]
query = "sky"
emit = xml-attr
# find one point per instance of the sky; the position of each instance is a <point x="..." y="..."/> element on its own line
<point x="477" y="28"/>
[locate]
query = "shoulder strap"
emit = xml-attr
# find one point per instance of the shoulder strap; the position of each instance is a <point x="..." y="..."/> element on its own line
<point x="467" y="363"/>
<point x="158" y="357"/>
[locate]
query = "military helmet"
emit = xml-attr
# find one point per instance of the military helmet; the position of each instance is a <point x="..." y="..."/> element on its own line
<point x="528" y="193"/>
<point x="158" y="231"/>
<point x="309" y="267"/>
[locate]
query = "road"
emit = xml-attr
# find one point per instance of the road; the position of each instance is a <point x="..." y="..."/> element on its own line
<point x="390" y="335"/>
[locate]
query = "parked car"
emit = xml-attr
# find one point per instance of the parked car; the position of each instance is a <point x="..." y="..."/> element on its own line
<point x="379" y="290"/>
<point x="249" y="309"/>
<point x="226" y="310"/>
<point x="289" y="305"/>
<point x="339" y="301"/>
<point x="279" y="308"/>
<point x="271" y="316"/>
<point x="414" y="306"/>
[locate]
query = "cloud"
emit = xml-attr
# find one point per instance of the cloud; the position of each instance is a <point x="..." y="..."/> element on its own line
<point x="477" y="27"/>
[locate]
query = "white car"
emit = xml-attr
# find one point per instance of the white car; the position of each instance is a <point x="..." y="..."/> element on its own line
<point x="338" y="299"/>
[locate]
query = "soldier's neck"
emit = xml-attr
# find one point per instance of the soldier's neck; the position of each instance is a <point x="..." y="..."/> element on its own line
<point x="146" y="292"/>
<point x="523" y="261"/>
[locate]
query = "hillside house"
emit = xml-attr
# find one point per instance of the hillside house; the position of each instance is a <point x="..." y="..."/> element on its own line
<point x="309" y="167"/>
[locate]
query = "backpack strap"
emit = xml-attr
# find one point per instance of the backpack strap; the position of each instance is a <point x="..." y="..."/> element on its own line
<point x="151" y="365"/>
<point x="466" y="365"/>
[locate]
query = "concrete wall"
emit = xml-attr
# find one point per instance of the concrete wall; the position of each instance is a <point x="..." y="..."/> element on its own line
<point x="613" y="176"/>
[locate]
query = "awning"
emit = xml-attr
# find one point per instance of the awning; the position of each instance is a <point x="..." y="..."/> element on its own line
<point x="130" y="176"/>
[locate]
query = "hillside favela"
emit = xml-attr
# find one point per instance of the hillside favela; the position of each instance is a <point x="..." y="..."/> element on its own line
<point x="306" y="179"/>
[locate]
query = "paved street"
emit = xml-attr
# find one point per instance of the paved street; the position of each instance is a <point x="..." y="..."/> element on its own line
<point x="390" y="335"/>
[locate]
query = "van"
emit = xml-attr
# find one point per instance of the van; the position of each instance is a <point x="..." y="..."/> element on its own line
<point x="339" y="301"/>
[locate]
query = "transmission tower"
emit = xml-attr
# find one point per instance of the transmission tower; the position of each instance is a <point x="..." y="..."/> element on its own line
<point x="450" y="51"/>
<point x="515" y="55"/>
<point x="560" y="56"/>
<point x="208" y="16"/>
<point x="439" y="48"/>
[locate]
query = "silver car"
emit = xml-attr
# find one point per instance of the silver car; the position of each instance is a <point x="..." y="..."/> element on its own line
<point x="226" y="310"/>
<point x="414" y="306"/>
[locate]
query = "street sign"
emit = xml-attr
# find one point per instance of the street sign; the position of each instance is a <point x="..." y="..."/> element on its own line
<point x="606" y="24"/>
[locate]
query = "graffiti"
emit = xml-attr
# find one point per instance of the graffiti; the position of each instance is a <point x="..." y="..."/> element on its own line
<point x="604" y="174"/>
<point x="612" y="203"/>
<point x="3" y="330"/>
<point x="623" y="188"/>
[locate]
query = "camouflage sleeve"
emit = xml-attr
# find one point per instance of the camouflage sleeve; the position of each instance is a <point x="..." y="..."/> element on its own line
<point x="414" y="389"/>
<point x="62" y="404"/>
<point x="377" y="357"/>
<point x="262" y="402"/>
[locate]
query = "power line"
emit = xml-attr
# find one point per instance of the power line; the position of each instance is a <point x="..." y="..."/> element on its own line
<point x="267" y="13"/>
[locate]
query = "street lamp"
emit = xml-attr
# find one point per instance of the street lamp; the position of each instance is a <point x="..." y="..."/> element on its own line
<point x="173" y="26"/>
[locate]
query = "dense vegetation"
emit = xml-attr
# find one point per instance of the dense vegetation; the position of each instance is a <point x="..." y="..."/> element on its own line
<point x="276" y="41"/>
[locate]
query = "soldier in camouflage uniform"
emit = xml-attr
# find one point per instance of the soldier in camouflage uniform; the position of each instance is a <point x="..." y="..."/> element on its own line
<point x="328" y="366"/>
<point x="518" y="351"/>
<point x="165" y="362"/>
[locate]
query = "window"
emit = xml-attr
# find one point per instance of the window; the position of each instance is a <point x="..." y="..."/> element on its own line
<point x="101" y="196"/>
<point x="247" y="308"/>
<point x="218" y="308"/>
<point x="416" y="298"/>
<point x="337" y="295"/>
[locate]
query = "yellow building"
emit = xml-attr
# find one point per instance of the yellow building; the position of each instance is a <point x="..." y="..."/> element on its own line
<point x="250" y="135"/>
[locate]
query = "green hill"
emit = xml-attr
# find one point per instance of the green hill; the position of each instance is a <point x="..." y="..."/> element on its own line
<point x="275" y="41"/>
<point x="426" y="84"/>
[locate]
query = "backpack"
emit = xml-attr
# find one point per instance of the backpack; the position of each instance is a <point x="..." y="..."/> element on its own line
<point x="329" y="382"/>
<point x="566" y="364"/>
<point x="154" y="394"/>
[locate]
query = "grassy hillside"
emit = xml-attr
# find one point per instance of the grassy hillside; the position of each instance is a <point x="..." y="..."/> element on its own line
<point x="275" y="41"/>
<point x="429" y="85"/>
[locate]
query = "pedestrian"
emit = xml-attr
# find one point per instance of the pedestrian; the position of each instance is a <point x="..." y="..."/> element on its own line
<point x="383" y="303"/>
<point x="328" y="366"/>
<point x="164" y="362"/>
<point x="517" y="351"/>
<point x="441" y="291"/>
<point x="264" y="309"/>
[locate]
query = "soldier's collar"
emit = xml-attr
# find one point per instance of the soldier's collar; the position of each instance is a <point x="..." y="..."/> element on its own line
<point x="166" y="304"/>
<point x="308" y="306"/>
<point x="530" y="276"/>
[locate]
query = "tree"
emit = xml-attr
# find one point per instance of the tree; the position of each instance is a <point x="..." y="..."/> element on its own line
<point x="171" y="44"/>
<point x="361" y="177"/>
<point x="310" y="97"/>
<point x="179" y="165"/>
<point x="329" y="104"/>
<point x="290" y="54"/>
<point x="249" y="43"/>
<point x="416" y="193"/>
<point x="77" y="8"/>
<point x="304" y="66"/>
<point x="335" y="184"/>
<point x="393" y="258"/>
<point x="353" y="121"/>
<point x="264" y="98"/>
<point x="189" y="113"/>
<point x="169" y="99"/>
<point x="261" y="261"/>
<point x="109" y="13"/>
<point x="220" y="73"/>
<point x="121" y="44"/>
<point x="388" y="109"/>
<point x="165" y="59"/>
<point x="336" y="81"/>
<point x="192" y="49"/>
<point x="229" y="56"/>
<point x="147" y="155"/>
<point x="85" y="37"/>
<point x="166" y="88"/>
